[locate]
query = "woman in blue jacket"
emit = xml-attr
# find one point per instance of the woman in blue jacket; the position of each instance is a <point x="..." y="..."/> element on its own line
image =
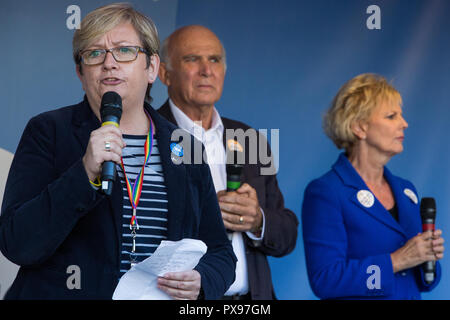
<point x="361" y="224"/>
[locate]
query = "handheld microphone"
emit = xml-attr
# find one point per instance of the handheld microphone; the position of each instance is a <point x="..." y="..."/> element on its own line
<point x="234" y="172"/>
<point x="110" y="112"/>
<point x="428" y="215"/>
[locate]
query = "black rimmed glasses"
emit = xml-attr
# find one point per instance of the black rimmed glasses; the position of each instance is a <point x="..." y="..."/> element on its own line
<point x="120" y="54"/>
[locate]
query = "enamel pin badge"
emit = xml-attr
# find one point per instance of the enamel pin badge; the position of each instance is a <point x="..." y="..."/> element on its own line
<point x="410" y="194"/>
<point x="177" y="153"/>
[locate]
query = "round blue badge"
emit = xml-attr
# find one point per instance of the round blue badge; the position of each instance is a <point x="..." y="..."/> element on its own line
<point x="176" y="149"/>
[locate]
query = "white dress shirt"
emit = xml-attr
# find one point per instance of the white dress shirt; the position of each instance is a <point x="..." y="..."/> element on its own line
<point x="212" y="139"/>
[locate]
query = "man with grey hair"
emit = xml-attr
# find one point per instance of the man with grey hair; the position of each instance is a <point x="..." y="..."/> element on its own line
<point x="193" y="69"/>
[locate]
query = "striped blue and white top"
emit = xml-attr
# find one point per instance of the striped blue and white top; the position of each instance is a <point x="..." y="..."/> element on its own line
<point x="152" y="208"/>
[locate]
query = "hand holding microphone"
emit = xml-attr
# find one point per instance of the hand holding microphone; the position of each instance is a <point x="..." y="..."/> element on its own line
<point x="105" y="145"/>
<point x="425" y="248"/>
<point x="239" y="203"/>
<point x="428" y="215"/>
<point x="240" y="209"/>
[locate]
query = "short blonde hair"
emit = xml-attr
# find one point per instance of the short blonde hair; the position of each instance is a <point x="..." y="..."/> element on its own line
<point x="355" y="101"/>
<point x="106" y="18"/>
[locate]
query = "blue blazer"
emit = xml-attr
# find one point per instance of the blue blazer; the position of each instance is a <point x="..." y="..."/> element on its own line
<point x="348" y="243"/>
<point x="52" y="218"/>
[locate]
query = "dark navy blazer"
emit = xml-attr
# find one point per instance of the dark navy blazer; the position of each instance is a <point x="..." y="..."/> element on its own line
<point x="52" y="218"/>
<point x="348" y="243"/>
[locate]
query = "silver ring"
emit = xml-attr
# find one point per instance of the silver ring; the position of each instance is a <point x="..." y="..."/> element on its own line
<point x="241" y="219"/>
<point x="108" y="146"/>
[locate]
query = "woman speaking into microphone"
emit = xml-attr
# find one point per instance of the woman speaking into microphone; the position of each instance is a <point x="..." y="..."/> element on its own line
<point x="361" y="224"/>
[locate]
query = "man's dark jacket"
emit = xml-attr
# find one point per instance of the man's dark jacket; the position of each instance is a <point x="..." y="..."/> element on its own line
<point x="281" y="224"/>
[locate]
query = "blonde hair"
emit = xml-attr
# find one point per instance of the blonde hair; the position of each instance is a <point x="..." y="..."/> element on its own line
<point x="106" y="18"/>
<point x="355" y="101"/>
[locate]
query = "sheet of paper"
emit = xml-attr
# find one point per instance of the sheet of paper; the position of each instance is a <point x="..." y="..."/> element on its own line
<point x="140" y="282"/>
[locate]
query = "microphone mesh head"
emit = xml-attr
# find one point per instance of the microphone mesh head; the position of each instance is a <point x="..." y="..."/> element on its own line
<point x="428" y="208"/>
<point x="111" y="105"/>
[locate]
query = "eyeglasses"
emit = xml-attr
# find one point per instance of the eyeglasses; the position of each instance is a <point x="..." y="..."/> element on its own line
<point x="120" y="54"/>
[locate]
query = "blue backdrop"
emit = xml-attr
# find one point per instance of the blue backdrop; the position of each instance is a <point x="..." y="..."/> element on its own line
<point x="286" y="60"/>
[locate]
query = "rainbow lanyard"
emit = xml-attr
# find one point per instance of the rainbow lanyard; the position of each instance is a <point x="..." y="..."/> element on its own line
<point x="134" y="191"/>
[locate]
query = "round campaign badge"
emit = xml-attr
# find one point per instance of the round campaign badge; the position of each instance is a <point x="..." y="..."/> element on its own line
<point x="410" y="194"/>
<point x="233" y="145"/>
<point x="366" y="198"/>
<point x="176" y="149"/>
<point x="177" y="153"/>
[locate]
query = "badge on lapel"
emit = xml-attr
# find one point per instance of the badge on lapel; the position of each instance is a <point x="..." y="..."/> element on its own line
<point x="410" y="194"/>
<point x="177" y="153"/>
<point x="366" y="198"/>
<point x="233" y="145"/>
